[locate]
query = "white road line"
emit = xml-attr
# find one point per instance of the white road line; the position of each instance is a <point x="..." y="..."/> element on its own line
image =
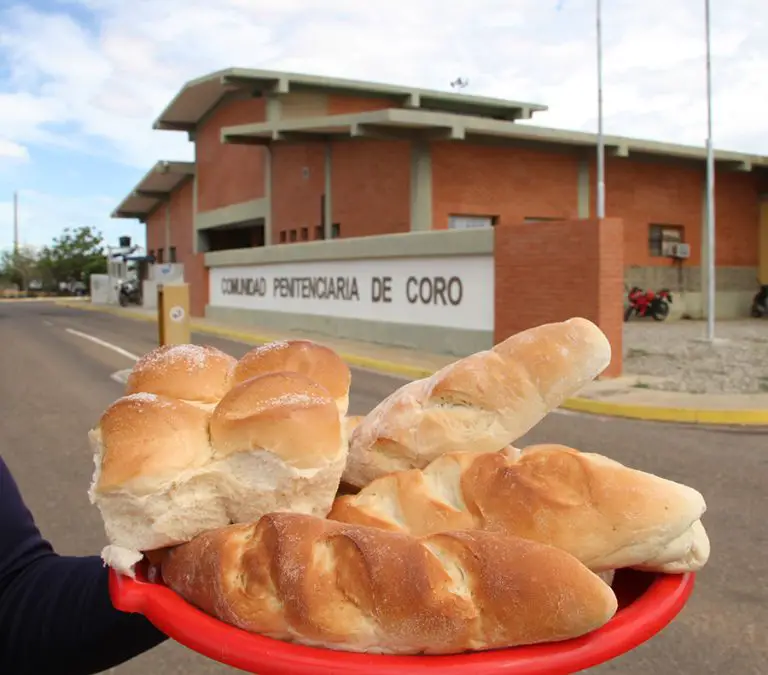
<point x="47" y="323"/>
<point x="121" y="376"/>
<point x="103" y="343"/>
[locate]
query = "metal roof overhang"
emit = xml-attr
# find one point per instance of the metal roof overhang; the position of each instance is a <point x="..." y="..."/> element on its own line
<point x="198" y="97"/>
<point x="418" y="124"/>
<point x="154" y="188"/>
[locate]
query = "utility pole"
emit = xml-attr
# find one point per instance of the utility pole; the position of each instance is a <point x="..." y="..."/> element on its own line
<point x="15" y="224"/>
<point x="600" y="137"/>
<point x="710" y="239"/>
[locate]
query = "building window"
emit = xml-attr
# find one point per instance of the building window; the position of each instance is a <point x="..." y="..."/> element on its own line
<point x="159" y="256"/>
<point x="335" y="231"/>
<point x="305" y="234"/>
<point x="152" y="254"/>
<point x="539" y="219"/>
<point x="660" y="237"/>
<point x="172" y="254"/>
<point x="319" y="232"/>
<point x="283" y="236"/>
<point x="470" y="222"/>
<point x="292" y="235"/>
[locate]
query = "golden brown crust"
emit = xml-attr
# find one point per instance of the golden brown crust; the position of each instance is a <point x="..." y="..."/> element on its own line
<point x="316" y="361"/>
<point x="202" y="374"/>
<point x="480" y="403"/>
<point x="287" y="414"/>
<point x="147" y="438"/>
<point x="604" y="513"/>
<point x="322" y="583"/>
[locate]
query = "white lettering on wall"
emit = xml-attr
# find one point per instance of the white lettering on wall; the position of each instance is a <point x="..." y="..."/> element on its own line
<point x="449" y="291"/>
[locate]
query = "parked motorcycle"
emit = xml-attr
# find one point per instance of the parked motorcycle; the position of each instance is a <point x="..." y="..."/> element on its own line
<point x="129" y="293"/>
<point x="760" y="303"/>
<point x="648" y="303"/>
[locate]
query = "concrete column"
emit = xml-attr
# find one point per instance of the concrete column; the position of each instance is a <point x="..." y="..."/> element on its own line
<point x="168" y="229"/>
<point x="583" y="188"/>
<point x="328" y="206"/>
<point x="421" y="186"/>
<point x="268" y="195"/>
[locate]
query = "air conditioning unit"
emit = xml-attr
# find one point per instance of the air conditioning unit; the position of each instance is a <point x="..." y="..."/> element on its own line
<point x="673" y="249"/>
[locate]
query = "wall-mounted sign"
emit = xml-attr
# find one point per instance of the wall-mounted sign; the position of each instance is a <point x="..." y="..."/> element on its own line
<point x="450" y="291"/>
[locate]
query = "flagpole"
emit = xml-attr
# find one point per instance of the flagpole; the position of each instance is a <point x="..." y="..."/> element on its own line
<point x="710" y="238"/>
<point x="600" y="138"/>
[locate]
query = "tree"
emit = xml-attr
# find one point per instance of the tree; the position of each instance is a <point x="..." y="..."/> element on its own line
<point x="20" y="267"/>
<point x="74" y="256"/>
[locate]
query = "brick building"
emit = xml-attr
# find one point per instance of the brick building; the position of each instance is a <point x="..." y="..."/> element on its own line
<point x="282" y="159"/>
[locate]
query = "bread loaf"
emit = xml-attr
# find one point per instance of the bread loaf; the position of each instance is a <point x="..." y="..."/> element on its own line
<point x="605" y="514"/>
<point x="167" y="470"/>
<point x="480" y="403"/>
<point x="196" y="374"/>
<point x="317" y="362"/>
<point x="327" y="584"/>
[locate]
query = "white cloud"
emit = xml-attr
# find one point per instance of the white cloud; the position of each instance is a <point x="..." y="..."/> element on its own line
<point x="97" y="85"/>
<point x="13" y="151"/>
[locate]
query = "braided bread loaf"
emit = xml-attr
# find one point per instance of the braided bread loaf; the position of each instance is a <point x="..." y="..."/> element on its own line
<point x="605" y="514"/>
<point x="480" y="403"/>
<point x="327" y="584"/>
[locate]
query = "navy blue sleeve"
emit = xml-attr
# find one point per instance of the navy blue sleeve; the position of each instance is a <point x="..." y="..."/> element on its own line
<point x="55" y="612"/>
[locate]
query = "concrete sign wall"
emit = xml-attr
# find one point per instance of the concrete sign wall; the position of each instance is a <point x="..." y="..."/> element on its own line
<point x="445" y="291"/>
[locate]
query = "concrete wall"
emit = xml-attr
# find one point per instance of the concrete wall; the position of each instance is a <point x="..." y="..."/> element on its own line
<point x="735" y="288"/>
<point x="413" y="245"/>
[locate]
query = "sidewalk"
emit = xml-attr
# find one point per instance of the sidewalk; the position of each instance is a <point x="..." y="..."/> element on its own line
<point x="625" y="396"/>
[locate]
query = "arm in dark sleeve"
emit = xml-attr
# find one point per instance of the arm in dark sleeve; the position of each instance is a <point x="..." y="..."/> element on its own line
<point x="55" y="612"/>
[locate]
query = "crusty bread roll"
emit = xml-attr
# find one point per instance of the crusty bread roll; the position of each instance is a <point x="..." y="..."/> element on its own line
<point x="281" y="436"/>
<point x="167" y="470"/>
<point x="480" y="403"/>
<point x="605" y="514"/>
<point x="200" y="375"/>
<point x="314" y="360"/>
<point x="326" y="584"/>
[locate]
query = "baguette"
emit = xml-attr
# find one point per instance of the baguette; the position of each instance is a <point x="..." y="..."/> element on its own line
<point x="481" y="403"/>
<point x="605" y="514"/>
<point x="327" y="584"/>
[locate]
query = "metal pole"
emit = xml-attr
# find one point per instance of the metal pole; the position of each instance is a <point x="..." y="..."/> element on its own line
<point x="600" y="139"/>
<point x="15" y="223"/>
<point x="710" y="191"/>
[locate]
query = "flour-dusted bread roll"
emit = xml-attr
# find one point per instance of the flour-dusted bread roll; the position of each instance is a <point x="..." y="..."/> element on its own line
<point x="480" y="403"/>
<point x="319" y="363"/>
<point x="200" y="375"/>
<point x="605" y="514"/>
<point x="280" y="437"/>
<point x="327" y="584"/>
<point x="167" y="470"/>
<point x="151" y="482"/>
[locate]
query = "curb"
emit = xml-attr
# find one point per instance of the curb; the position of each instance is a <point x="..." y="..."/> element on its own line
<point x="710" y="417"/>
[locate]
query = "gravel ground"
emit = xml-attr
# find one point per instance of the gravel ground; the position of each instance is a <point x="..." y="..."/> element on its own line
<point x="674" y="358"/>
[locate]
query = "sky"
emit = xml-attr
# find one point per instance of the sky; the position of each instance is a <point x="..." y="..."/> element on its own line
<point x="81" y="81"/>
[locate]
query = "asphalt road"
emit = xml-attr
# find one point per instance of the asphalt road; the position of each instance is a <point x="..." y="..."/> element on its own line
<point x="54" y="384"/>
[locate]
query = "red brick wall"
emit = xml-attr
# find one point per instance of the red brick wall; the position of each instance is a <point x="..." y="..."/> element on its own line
<point x="371" y="187"/>
<point x="296" y="200"/>
<point x="652" y="191"/>
<point x="228" y="174"/>
<point x="156" y="230"/>
<point x="511" y="183"/>
<point x="182" y="237"/>
<point x="554" y="271"/>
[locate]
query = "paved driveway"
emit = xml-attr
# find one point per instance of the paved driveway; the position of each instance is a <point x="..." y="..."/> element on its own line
<point x="54" y="383"/>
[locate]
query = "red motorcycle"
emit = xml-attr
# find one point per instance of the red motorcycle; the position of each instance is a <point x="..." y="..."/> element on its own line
<point x="648" y="303"/>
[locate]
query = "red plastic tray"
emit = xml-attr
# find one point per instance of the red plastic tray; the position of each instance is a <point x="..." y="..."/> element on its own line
<point x="647" y="603"/>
